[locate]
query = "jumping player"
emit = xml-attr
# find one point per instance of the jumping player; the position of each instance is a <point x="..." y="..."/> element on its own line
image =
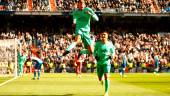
<point x="81" y="22"/>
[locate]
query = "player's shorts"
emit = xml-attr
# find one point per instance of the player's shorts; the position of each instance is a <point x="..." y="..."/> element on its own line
<point x="156" y="64"/>
<point x="21" y="66"/>
<point x="123" y="65"/>
<point x="79" y="64"/>
<point x="85" y="37"/>
<point x="102" y="69"/>
<point x="37" y="65"/>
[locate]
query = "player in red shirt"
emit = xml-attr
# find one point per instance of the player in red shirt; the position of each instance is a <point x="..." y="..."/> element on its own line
<point x="78" y="60"/>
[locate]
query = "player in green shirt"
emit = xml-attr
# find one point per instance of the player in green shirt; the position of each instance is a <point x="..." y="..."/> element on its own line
<point x="81" y="22"/>
<point x="156" y="63"/>
<point x="104" y="51"/>
<point x="21" y="60"/>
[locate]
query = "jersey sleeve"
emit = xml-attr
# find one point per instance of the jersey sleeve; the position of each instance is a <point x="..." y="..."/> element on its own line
<point x="94" y="16"/>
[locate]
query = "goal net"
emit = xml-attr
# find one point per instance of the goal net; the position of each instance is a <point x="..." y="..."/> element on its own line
<point x="8" y="57"/>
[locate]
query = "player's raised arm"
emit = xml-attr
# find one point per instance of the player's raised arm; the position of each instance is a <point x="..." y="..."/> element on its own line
<point x="92" y="14"/>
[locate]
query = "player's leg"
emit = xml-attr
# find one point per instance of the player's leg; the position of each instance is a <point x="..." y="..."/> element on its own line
<point x="123" y="67"/>
<point x="123" y="71"/>
<point x="77" y="68"/>
<point x="39" y="72"/>
<point x="156" y="71"/>
<point x="35" y="71"/>
<point x="90" y="49"/>
<point x="72" y="45"/>
<point x="107" y="84"/>
<point x="106" y="77"/>
<point x="88" y="44"/>
<point x="80" y="67"/>
<point x="20" y="69"/>
<point x="100" y="73"/>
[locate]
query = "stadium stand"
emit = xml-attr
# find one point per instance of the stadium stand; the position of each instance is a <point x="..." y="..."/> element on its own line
<point x="118" y="6"/>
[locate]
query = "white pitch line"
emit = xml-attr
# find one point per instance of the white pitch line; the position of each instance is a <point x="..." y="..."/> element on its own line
<point x="8" y="81"/>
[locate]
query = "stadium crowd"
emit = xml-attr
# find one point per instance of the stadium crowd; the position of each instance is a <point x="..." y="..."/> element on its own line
<point x="140" y="49"/>
<point x="126" y="6"/>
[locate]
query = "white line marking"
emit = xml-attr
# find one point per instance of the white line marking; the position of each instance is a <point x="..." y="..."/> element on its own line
<point x="8" y="81"/>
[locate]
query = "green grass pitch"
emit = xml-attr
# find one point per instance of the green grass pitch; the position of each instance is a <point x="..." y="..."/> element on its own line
<point x="68" y="84"/>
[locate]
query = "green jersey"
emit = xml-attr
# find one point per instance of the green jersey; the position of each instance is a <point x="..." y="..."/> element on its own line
<point x="21" y="59"/>
<point x="104" y="52"/>
<point x="156" y="61"/>
<point x="82" y="19"/>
